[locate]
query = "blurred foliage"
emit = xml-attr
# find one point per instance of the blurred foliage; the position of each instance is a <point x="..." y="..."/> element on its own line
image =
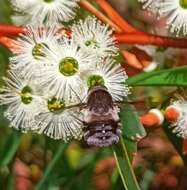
<point x="52" y="165"/>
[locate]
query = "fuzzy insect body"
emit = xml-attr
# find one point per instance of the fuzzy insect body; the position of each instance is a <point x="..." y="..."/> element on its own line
<point x="101" y="118"/>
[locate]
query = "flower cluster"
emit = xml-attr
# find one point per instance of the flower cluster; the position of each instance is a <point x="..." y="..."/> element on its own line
<point x="51" y="73"/>
<point x="44" y="11"/>
<point x="174" y="10"/>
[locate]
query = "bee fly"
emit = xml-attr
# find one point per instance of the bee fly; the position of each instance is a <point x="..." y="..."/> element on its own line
<point x="101" y="118"/>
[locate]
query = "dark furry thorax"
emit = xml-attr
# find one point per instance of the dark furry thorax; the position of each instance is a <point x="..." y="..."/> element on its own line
<point x="101" y="118"/>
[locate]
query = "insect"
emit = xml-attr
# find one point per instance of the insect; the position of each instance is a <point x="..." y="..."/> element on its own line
<point x="101" y="118"/>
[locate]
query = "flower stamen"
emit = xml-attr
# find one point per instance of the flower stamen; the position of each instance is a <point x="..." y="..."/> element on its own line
<point x="26" y="95"/>
<point x="183" y="4"/>
<point x="37" y="50"/>
<point x="95" y="80"/>
<point x="55" y="105"/>
<point x="68" y="66"/>
<point x="48" y="1"/>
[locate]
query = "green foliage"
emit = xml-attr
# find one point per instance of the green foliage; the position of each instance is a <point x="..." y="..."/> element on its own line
<point x="169" y="77"/>
<point x="124" y="167"/>
<point x="75" y="171"/>
<point x="123" y="152"/>
<point x="51" y="166"/>
<point x="10" y="148"/>
<point x="131" y="127"/>
<point x="5" y="12"/>
<point x="147" y="179"/>
<point x="131" y="123"/>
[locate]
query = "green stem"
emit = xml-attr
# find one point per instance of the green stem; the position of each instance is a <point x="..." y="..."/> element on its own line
<point x="125" y="168"/>
<point x="51" y="166"/>
<point x="10" y="148"/>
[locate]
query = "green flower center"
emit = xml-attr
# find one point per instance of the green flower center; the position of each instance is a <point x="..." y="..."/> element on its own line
<point x="95" y="80"/>
<point x="37" y="50"/>
<point x="26" y="95"/>
<point x="92" y="43"/>
<point x="68" y="66"/>
<point x="55" y="105"/>
<point x="183" y="4"/>
<point x="48" y="1"/>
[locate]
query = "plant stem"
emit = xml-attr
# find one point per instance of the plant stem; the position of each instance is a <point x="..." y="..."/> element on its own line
<point x="116" y="18"/>
<point x="10" y="149"/>
<point x="7" y="42"/>
<point x="88" y="6"/>
<point x="51" y="166"/>
<point x="7" y="30"/>
<point x="148" y="39"/>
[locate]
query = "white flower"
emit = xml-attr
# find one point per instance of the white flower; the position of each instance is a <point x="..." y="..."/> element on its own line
<point x="58" y="122"/>
<point x="94" y="37"/>
<point x="19" y="19"/>
<point x="112" y="76"/>
<point x="21" y="97"/>
<point x="176" y="13"/>
<point x="151" y="5"/>
<point x="21" y="5"/>
<point x="28" y="49"/>
<point x="180" y="126"/>
<point x="63" y="69"/>
<point x="47" y="11"/>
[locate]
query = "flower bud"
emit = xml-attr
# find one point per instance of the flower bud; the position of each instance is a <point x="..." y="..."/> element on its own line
<point x="172" y="113"/>
<point x="153" y="118"/>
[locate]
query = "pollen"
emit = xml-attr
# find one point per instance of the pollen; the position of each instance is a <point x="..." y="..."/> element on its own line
<point x="55" y="105"/>
<point x="95" y="80"/>
<point x="37" y="50"/>
<point x="68" y="66"/>
<point x="26" y="95"/>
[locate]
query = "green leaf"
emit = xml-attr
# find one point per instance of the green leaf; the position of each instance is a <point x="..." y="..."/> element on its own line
<point x="167" y="77"/>
<point x="132" y="129"/>
<point x="147" y="179"/>
<point x="10" y="148"/>
<point x="131" y="126"/>
<point x="5" y="12"/>
<point x="124" y="167"/>
<point x="51" y="166"/>
<point x="131" y="146"/>
<point x="83" y="180"/>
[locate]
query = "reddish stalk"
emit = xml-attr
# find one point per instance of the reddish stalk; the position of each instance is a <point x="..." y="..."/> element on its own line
<point x="7" y="30"/>
<point x="116" y="18"/>
<point x="7" y="42"/>
<point x="144" y="39"/>
<point x="148" y="39"/>
<point x="88" y="6"/>
<point x="132" y="60"/>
